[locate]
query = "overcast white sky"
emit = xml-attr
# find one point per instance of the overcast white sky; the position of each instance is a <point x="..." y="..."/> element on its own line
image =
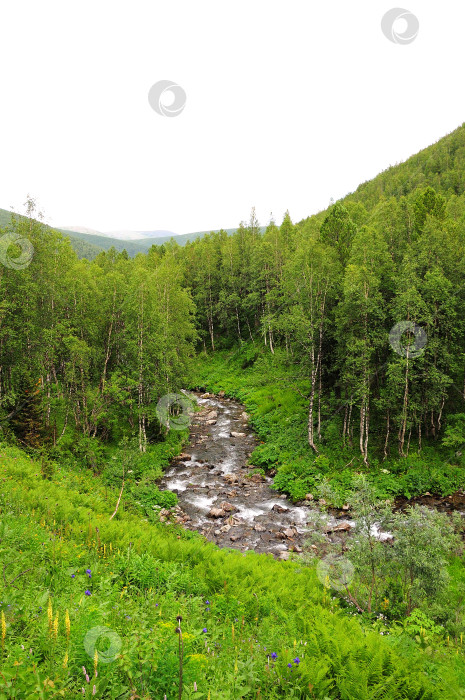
<point x="288" y="104"/>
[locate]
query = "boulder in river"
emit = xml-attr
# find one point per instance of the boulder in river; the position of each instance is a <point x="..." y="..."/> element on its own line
<point x="259" y="528"/>
<point x="211" y="422"/>
<point x="225" y="528"/>
<point x="230" y="478"/>
<point x="216" y="513"/>
<point x="183" y="456"/>
<point x="284" y="555"/>
<point x="289" y="532"/>
<point x="309" y="497"/>
<point x="228" y="507"/>
<point x="237" y="435"/>
<point x="211" y="415"/>
<point x="221" y="394"/>
<point x="279" y="508"/>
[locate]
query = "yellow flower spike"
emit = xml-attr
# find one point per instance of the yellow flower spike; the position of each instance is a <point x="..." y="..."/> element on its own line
<point x="3" y="629"/>
<point x="95" y="661"/>
<point x="55" y="626"/>
<point x="65" y="660"/>
<point x="232" y="631"/>
<point x="67" y="624"/>
<point x="208" y="698"/>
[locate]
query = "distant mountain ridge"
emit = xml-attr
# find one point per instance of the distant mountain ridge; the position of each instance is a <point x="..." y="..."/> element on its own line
<point x="89" y="243"/>
<point x="120" y="235"/>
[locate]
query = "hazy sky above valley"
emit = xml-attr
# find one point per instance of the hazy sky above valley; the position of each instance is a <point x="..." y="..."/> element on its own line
<point x="287" y="105"/>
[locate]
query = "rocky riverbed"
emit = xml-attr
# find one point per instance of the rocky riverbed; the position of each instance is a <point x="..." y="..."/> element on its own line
<point x="221" y="497"/>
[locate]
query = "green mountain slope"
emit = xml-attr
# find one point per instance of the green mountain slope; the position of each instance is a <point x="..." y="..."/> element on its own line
<point x="83" y="246"/>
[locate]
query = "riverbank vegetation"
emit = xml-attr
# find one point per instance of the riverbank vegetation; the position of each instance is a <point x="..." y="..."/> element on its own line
<point x="343" y="335"/>
<point x="251" y="626"/>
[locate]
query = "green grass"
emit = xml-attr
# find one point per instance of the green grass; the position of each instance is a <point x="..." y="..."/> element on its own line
<point x="143" y="574"/>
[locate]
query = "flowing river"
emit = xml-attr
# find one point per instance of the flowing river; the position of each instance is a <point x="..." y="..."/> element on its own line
<point x="220" y="497"/>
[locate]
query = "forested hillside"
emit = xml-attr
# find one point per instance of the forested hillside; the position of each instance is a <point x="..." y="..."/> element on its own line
<point x="328" y="291"/>
<point x="343" y="336"/>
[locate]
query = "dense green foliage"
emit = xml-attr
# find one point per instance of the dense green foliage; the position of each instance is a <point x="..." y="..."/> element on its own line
<point x="331" y="289"/>
<point x="88" y="348"/>
<point x="297" y="322"/>
<point x="61" y="552"/>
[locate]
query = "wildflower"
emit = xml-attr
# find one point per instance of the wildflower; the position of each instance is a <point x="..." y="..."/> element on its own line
<point x="3" y="629"/>
<point x="55" y="626"/>
<point x="67" y="624"/>
<point x="89" y="573"/>
<point x="65" y="660"/>
<point x="207" y="602"/>
<point x="204" y="629"/>
<point x="95" y="661"/>
<point x="84" y="670"/>
<point x="195" y="687"/>
<point x="94" y="690"/>
<point x="87" y="678"/>
<point x="73" y="575"/>
<point x="297" y="660"/>
<point x="274" y="655"/>
<point x="290" y="665"/>
<point x="88" y="592"/>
